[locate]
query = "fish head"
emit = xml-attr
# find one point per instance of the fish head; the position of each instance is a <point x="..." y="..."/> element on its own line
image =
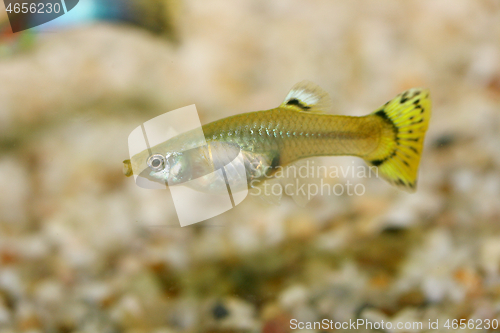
<point x="170" y="167"/>
<point x="195" y="167"/>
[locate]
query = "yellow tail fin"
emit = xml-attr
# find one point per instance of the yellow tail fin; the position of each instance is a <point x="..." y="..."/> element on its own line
<point x="398" y="156"/>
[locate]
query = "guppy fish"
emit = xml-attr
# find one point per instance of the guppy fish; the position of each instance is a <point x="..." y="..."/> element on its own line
<point x="390" y="138"/>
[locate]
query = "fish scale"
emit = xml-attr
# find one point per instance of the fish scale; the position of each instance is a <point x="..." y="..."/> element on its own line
<point x="304" y="135"/>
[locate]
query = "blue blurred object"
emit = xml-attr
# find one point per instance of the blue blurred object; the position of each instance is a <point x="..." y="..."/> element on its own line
<point x="152" y="15"/>
<point x="89" y="11"/>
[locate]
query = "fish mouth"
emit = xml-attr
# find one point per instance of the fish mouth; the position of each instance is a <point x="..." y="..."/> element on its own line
<point x="128" y="171"/>
<point x="127" y="168"/>
<point x="143" y="177"/>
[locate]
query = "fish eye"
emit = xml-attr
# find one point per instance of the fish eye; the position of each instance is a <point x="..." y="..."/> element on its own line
<point x="156" y="162"/>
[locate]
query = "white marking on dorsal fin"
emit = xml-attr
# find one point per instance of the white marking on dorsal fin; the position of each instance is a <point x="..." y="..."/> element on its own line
<point x="308" y="97"/>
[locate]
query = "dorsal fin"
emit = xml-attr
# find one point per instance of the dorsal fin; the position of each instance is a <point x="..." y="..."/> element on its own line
<point x="308" y="97"/>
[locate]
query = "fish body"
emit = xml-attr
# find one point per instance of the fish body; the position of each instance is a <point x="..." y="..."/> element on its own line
<point x="391" y="138"/>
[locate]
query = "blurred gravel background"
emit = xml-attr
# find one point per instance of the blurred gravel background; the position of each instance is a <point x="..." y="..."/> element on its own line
<point x="82" y="249"/>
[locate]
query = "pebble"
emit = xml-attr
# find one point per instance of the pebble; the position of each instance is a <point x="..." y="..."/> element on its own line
<point x="230" y="313"/>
